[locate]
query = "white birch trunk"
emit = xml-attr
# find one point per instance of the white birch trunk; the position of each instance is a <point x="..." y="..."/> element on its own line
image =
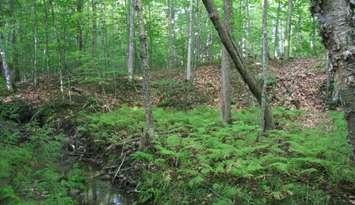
<point x="6" y="71"/>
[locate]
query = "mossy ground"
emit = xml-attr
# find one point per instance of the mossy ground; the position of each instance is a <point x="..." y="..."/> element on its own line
<point x="195" y="159"/>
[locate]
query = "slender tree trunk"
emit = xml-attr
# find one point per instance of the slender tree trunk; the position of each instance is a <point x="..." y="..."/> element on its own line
<point x="46" y="49"/>
<point x="242" y="29"/>
<point x="130" y="60"/>
<point x="225" y="69"/>
<point x="237" y="58"/>
<point x="171" y="35"/>
<point x="94" y="28"/>
<point x="313" y="36"/>
<point x="15" y="56"/>
<point x="196" y="38"/>
<point x="5" y="68"/>
<point x="150" y="45"/>
<point x="146" y="140"/>
<point x="189" y="44"/>
<point x="265" y="119"/>
<point x="337" y="27"/>
<point x="277" y="32"/>
<point x="58" y="48"/>
<point x="249" y="47"/>
<point x="288" y="31"/>
<point x="79" y="29"/>
<point x="209" y="56"/>
<point x="35" y="42"/>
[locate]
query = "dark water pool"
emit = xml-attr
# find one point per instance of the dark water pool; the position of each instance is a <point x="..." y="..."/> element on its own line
<point x="102" y="192"/>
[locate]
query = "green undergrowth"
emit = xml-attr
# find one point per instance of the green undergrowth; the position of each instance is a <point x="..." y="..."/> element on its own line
<point x="3" y="90"/>
<point x="195" y="159"/>
<point x="29" y="156"/>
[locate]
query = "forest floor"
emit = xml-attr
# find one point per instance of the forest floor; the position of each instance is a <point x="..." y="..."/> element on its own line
<point x="194" y="158"/>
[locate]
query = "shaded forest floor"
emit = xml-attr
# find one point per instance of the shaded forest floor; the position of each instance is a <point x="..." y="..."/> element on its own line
<point x="194" y="158"/>
<point x="295" y="84"/>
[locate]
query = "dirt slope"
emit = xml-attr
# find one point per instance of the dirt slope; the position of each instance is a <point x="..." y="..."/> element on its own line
<point x="298" y="85"/>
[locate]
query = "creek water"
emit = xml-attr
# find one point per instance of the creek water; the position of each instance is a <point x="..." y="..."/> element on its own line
<point x="98" y="191"/>
<point x="101" y="192"/>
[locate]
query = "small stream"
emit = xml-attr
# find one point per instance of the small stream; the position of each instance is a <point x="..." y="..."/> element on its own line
<point x="101" y="192"/>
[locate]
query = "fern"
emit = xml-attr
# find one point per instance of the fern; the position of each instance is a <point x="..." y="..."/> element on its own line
<point x="193" y="152"/>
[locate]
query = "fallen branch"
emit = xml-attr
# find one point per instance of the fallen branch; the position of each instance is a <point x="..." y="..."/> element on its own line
<point x="119" y="168"/>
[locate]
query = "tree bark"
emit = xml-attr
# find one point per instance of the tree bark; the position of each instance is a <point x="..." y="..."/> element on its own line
<point x="146" y="140"/>
<point x="79" y="29"/>
<point x="35" y="44"/>
<point x="15" y="56"/>
<point x="171" y="35"/>
<point x="225" y="69"/>
<point x="3" y="61"/>
<point x="277" y="32"/>
<point x="288" y="30"/>
<point x="237" y="58"/>
<point x="249" y="46"/>
<point x="336" y="19"/>
<point x="94" y="28"/>
<point x="189" y="44"/>
<point x="313" y="36"/>
<point x="130" y="60"/>
<point x="265" y="119"/>
<point x="6" y="70"/>
<point x="46" y="48"/>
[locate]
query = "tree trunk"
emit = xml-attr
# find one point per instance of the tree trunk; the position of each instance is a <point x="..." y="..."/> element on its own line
<point x="35" y="43"/>
<point x="46" y="48"/>
<point x="58" y="47"/>
<point x="196" y="38"/>
<point x="237" y="58"/>
<point x="146" y="140"/>
<point x="265" y="119"/>
<point x="209" y="42"/>
<point x="288" y="30"/>
<point x="15" y="56"/>
<point x="337" y="27"/>
<point x="313" y="36"/>
<point x="189" y="44"/>
<point x="248" y="45"/>
<point x="225" y="69"/>
<point x="171" y="35"/>
<point x="130" y="60"/>
<point x="333" y="100"/>
<point x="94" y="28"/>
<point x="6" y="70"/>
<point x="277" y="32"/>
<point x="79" y="30"/>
